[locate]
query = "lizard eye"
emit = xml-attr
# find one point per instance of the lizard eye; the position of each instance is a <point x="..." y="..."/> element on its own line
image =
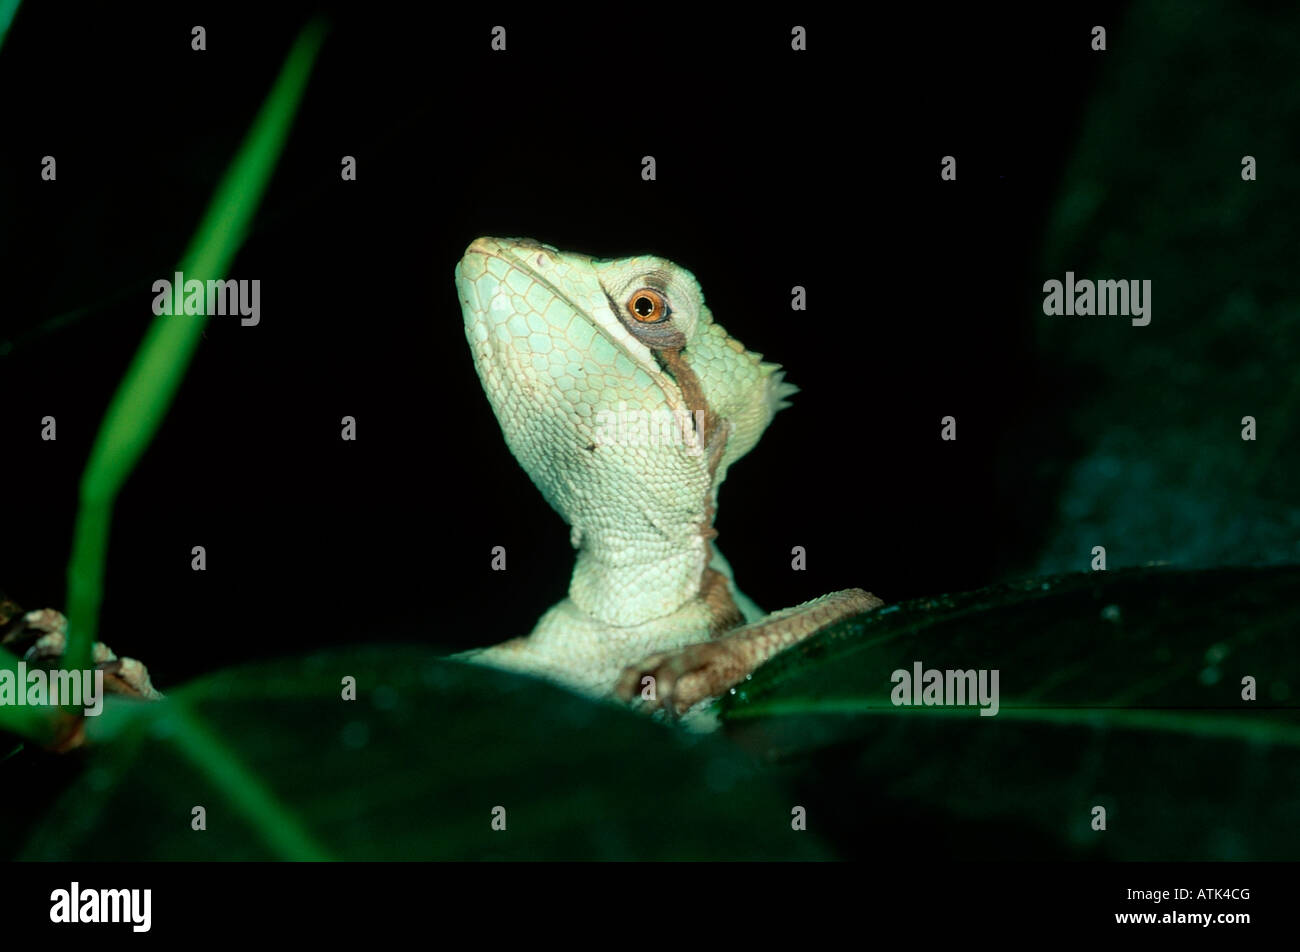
<point x="648" y="306"/>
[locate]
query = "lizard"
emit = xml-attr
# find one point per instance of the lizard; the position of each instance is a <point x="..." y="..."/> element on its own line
<point x="626" y="404"/>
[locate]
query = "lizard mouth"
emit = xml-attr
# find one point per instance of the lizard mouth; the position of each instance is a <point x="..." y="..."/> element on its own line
<point x="533" y="258"/>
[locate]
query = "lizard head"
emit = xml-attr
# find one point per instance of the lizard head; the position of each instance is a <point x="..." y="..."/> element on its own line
<point x="616" y="391"/>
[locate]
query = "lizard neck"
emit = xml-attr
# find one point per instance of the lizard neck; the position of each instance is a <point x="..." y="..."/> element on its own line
<point x="623" y="580"/>
<point x="629" y="576"/>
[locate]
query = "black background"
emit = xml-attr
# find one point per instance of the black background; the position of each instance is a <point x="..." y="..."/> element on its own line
<point x="775" y="168"/>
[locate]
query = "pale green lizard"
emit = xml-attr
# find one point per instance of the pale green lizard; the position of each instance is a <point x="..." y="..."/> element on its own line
<point x="625" y="403"/>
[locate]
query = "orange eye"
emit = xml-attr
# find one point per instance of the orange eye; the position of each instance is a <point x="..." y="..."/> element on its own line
<point x="647" y="306"/>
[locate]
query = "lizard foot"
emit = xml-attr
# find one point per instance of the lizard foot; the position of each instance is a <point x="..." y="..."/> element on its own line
<point x="683" y="678"/>
<point x="41" y="636"/>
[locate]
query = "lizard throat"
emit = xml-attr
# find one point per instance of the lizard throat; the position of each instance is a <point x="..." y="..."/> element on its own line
<point x="714" y="588"/>
<point x="673" y="363"/>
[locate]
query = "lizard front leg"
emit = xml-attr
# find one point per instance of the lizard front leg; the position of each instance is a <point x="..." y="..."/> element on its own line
<point x="684" y="677"/>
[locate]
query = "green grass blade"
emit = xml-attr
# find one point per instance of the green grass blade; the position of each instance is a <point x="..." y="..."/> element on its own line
<point x="277" y="825"/>
<point x="142" y="399"/>
<point x="7" y="10"/>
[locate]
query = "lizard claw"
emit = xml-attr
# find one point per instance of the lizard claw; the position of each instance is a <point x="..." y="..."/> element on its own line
<point x="41" y="637"/>
<point x="682" y="678"/>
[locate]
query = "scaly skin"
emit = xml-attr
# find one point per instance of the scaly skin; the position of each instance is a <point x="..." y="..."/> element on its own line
<point x="564" y="342"/>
